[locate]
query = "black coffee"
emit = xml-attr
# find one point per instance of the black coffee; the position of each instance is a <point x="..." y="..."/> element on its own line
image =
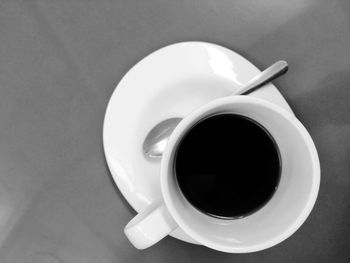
<point x="227" y="166"/>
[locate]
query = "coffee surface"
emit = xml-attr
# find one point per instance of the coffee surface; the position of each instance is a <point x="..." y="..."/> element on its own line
<point x="227" y="166"/>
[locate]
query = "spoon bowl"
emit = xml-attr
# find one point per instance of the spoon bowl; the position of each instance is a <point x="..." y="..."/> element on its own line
<point x="157" y="139"/>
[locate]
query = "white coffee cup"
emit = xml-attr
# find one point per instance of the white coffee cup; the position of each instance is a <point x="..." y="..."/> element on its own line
<point x="277" y="220"/>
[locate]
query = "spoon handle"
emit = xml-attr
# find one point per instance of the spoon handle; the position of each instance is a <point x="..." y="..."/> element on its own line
<point x="275" y="70"/>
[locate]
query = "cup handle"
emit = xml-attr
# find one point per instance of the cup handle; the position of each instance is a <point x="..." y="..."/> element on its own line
<point x="150" y="226"/>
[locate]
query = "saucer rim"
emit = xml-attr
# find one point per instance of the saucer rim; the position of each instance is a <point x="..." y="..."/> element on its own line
<point x="128" y="195"/>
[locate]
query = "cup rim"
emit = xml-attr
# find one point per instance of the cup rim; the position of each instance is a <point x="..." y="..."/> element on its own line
<point x="188" y="121"/>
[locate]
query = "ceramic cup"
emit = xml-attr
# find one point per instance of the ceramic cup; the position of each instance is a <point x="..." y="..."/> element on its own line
<point x="277" y="220"/>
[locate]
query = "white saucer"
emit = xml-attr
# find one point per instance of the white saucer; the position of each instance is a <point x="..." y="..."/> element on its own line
<point x="170" y="82"/>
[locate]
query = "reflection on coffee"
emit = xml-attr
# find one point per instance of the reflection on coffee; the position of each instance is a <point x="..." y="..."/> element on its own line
<point x="227" y="166"/>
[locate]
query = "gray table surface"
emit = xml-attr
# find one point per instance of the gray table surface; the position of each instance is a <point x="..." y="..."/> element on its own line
<point x="59" y="64"/>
